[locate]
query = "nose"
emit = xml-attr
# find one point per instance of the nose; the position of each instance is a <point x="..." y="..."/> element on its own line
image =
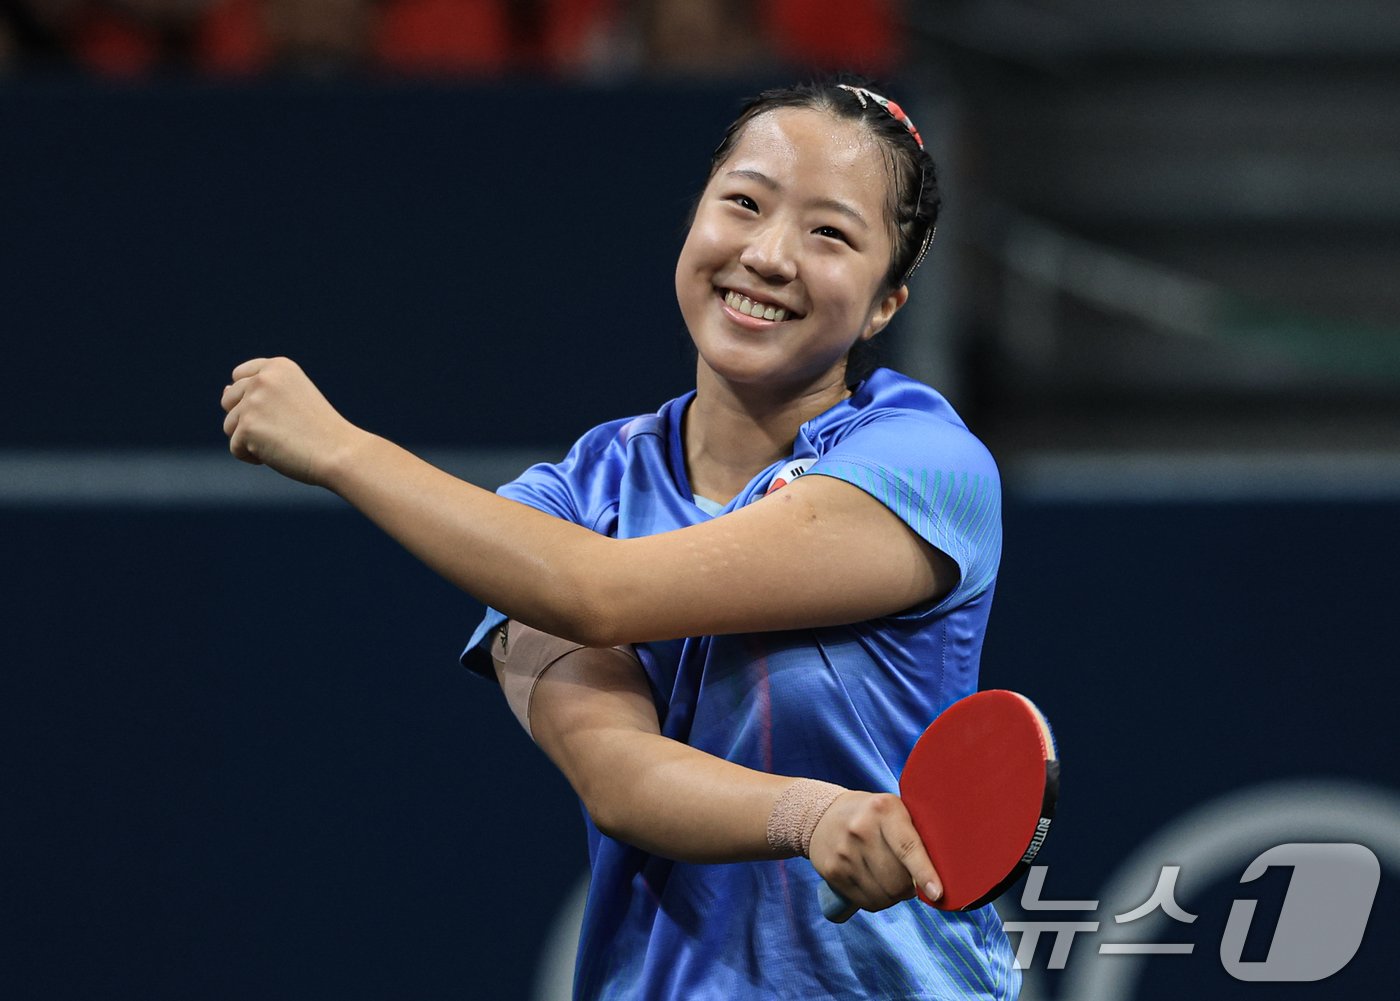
<point x="770" y="252"/>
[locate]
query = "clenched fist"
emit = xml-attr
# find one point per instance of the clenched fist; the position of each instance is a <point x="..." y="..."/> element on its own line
<point x="277" y="417"/>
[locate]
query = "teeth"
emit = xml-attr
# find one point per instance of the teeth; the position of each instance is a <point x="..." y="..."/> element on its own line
<point x="748" y="307"/>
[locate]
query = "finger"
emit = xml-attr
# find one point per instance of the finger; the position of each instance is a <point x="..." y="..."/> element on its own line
<point x="884" y="881"/>
<point x="238" y="438"/>
<point x="883" y="828"/>
<point x="233" y="394"/>
<point x="886" y="877"/>
<point x="904" y="841"/>
<point x="238" y="446"/>
<point x="250" y="367"/>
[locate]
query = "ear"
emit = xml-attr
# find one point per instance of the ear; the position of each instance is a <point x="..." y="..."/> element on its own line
<point x="885" y="308"/>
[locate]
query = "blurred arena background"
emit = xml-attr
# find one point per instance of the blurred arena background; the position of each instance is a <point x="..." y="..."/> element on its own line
<point x="239" y="759"/>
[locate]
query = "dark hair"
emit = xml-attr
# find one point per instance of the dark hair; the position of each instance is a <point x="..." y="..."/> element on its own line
<point x="914" y="195"/>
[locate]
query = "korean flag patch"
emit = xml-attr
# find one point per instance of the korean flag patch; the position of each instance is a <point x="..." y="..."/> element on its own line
<point x="787" y="474"/>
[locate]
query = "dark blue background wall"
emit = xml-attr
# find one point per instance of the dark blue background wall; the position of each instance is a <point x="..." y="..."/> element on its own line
<point x="411" y="246"/>
<point x="237" y="758"/>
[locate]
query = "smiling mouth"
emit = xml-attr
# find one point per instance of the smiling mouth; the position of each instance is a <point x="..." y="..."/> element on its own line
<point x="758" y="310"/>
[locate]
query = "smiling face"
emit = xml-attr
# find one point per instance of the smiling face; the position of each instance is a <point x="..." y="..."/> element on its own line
<point x="785" y="264"/>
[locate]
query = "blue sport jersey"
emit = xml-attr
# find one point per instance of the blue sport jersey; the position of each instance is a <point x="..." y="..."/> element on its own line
<point x="844" y="704"/>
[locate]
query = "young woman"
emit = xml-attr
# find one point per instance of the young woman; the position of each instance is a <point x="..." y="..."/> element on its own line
<point x="750" y="603"/>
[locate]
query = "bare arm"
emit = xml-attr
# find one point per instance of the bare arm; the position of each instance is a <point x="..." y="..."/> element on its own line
<point x="592" y="714"/>
<point x="819" y="552"/>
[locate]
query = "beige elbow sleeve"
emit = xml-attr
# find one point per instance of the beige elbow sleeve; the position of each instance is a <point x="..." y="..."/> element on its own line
<point x="522" y="655"/>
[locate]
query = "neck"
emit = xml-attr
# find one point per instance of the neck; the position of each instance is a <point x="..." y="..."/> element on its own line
<point x="733" y="432"/>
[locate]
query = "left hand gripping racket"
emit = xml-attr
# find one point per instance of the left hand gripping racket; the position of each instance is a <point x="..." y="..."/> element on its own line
<point x="980" y="786"/>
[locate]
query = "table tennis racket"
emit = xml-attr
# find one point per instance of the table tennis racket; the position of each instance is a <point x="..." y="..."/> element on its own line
<point x="980" y="786"/>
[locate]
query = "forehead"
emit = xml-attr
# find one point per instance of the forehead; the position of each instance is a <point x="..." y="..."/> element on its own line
<point x="817" y="153"/>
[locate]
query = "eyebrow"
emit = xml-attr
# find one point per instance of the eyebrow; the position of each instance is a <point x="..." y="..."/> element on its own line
<point x="834" y="204"/>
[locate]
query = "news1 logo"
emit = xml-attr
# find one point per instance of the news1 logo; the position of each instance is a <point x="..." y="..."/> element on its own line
<point x="1318" y="931"/>
<point x="1323" y="918"/>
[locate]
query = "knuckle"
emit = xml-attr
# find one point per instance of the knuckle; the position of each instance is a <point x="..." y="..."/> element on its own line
<point x="884" y="805"/>
<point x="906" y="845"/>
<point x="842" y="859"/>
<point x="862" y="829"/>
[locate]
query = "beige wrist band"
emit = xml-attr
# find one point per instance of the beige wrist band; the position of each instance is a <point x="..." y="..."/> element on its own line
<point x="798" y="810"/>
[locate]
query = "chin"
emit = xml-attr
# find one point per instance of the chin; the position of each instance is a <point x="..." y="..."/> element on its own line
<point x="741" y="372"/>
<point x="742" y="369"/>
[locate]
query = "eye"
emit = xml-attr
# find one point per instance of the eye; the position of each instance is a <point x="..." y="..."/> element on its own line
<point x="831" y="232"/>
<point x="744" y="202"/>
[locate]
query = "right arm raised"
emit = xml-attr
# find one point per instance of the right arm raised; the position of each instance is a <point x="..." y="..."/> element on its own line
<point x="819" y="552"/>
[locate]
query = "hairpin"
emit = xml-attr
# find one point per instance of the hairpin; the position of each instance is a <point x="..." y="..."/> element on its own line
<point x="895" y="111"/>
<point x="864" y="96"/>
<point x="923" y="252"/>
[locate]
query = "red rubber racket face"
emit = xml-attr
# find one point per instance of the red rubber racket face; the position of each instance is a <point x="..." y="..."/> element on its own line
<point x="980" y="785"/>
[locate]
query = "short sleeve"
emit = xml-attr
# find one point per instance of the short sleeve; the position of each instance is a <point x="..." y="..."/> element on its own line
<point x="938" y="478"/>
<point x="574" y="489"/>
<point x="551" y="487"/>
